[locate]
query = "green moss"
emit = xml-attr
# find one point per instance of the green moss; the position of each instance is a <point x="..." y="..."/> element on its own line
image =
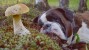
<point x="34" y="41"/>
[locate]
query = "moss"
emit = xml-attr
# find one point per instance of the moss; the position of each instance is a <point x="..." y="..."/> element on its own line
<point x="35" y="41"/>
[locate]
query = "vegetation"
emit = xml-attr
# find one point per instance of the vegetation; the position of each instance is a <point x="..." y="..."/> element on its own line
<point x="31" y="42"/>
<point x="73" y="3"/>
<point x="35" y="41"/>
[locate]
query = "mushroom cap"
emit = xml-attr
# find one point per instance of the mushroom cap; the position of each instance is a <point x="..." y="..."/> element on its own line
<point x="16" y="10"/>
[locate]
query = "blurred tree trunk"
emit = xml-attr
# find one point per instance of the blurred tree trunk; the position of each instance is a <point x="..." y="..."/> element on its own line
<point x="64" y="3"/>
<point x="82" y="6"/>
<point x="42" y="5"/>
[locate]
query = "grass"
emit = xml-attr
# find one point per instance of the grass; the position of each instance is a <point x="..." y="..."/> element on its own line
<point x="53" y="2"/>
<point x="72" y="5"/>
<point x="88" y="4"/>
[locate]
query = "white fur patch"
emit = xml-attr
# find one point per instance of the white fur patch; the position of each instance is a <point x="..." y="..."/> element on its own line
<point x="43" y="17"/>
<point x="84" y="33"/>
<point x="56" y="28"/>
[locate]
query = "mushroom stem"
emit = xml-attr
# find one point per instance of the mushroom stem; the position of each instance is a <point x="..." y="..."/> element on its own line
<point x="18" y="26"/>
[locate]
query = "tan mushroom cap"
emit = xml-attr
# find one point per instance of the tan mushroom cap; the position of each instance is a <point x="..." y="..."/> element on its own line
<point x="16" y="10"/>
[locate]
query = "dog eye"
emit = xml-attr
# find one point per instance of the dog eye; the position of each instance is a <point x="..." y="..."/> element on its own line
<point x="48" y="25"/>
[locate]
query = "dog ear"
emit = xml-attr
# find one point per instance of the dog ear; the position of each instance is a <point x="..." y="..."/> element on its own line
<point x="35" y="20"/>
<point x="66" y="21"/>
<point x="68" y="14"/>
<point x="69" y="29"/>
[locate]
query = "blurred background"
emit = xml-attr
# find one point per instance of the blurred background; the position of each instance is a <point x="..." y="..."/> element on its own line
<point x="73" y="4"/>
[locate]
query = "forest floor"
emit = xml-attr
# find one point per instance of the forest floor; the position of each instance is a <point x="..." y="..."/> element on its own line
<point x="35" y="41"/>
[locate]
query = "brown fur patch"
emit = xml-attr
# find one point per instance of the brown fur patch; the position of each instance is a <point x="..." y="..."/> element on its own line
<point x="81" y="17"/>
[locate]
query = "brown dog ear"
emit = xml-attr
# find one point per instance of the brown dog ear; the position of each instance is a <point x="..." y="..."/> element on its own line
<point x="69" y="29"/>
<point x="66" y="21"/>
<point x="68" y="14"/>
<point x="35" y="20"/>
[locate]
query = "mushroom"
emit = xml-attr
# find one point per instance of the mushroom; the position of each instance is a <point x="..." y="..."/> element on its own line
<point x="16" y="11"/>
